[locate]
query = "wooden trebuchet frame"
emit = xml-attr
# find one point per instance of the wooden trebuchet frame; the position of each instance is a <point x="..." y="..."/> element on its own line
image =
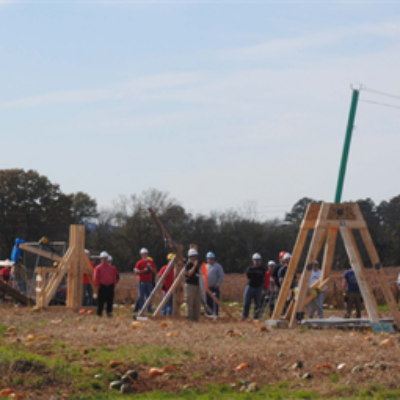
<point x="75" y="263"/>
<point x="326" y="220"/>
<point x="179" y="277"/>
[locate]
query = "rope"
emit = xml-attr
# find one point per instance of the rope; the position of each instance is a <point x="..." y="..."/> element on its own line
<point x="380" y="104"/>
<point x="393" y="96"/>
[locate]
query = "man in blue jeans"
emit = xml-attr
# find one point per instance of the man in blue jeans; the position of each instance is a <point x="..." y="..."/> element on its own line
<point x="144" y="269"/>
<point x="255" y="282"/>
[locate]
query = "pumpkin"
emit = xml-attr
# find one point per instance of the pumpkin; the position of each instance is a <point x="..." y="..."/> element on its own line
<point x="81" y="312"/>
<point x="386" y="342"/>
<point x="163" y="324"/>
<point x="6" y="392"/>
<point x="241" y="366"/>
<point x="170" y="368"/>
<point x="136" y="324"/>
<point x="173" y="333"/>
<point x="115" y="363"/>
<point x="156" y="371"/>
<point x="30" y="338"/>
<point x="90" y="312"/>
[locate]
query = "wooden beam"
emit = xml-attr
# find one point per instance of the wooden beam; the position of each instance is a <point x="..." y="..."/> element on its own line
<point x="380" y="275"/>
<point x="313" y="295"/>
<point x="359" y="270"/>
<point x="42" y="253"/>
<point x="309" y="221"/>
<point x="312" y="254"/>
<point x="158" y="286"/>
<point x="47" y="270"/>
<point x="15" y="294"/>
<point x="329" y="253"/>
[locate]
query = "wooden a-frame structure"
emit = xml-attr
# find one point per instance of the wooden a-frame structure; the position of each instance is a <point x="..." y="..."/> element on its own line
<point x="327" y="219"/>
<point x="74" y="263"/>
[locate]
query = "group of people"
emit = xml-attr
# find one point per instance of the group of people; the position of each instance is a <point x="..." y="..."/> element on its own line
<point x="203" y="282"/>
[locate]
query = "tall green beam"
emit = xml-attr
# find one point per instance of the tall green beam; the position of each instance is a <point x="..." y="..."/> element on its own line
<point x="346" y="146"/>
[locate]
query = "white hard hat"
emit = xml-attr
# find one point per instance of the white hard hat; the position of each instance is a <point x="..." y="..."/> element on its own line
<point x="256" y="256"/>
<point x="287" y="256"/>
<point x="104" y="254"/>
<point x="144" y="251"/>
<point x="192" y="252"/>
<point x="272" y="262"/>
<point x="110" y="258"/>
<point x="87" y="251"/>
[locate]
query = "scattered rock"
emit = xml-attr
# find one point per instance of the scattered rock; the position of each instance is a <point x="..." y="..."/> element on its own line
<point x="252" y="387"/>
<point x="126" y="389"/>
<point x="132" y="374"/>
<point x="341" y="367"/>
<point x="281" y="354"/>
<point x="116" y="385"/>
<point x="307" y="375"/>
<point x="357" y="368"/>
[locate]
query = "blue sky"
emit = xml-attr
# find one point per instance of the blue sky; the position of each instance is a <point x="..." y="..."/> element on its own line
<point x="217" y="103"/>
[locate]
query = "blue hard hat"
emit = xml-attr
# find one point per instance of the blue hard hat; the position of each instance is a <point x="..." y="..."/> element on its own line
<point x="210" y="254"/>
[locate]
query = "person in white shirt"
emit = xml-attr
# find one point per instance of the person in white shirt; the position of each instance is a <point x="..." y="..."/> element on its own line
<point x="318" y="302"/>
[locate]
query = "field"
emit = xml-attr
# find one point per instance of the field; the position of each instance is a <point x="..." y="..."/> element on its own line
<point x="60" y="354"/>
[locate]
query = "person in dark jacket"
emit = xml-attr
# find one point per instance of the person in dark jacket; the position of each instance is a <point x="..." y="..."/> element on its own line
<point x="254" y="289"/>
<point x="192" y="286"/>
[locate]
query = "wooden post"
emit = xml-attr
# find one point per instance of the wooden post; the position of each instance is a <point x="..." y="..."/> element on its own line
<point x="178" y="295"/>
<point x="312" y="254"/>
<point x="329" y="253"/>
<point x="380" y="274"/>
<point x="307" y="224"/>
<point x="358" y="268"/>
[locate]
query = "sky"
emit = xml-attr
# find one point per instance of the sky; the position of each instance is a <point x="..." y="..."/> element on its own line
<point x="218" y="103"/>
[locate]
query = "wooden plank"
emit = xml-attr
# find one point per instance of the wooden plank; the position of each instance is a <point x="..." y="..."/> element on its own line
<point x="329" y="253"/>
<point x="158" y="286"/>
<point x="309" y="221"/>
<point x="15" y="294"/>
<point x="312" y="296"/>
<point x="359" y="270"/>
<point x="380" y="275"/>
<point x="47" y="270"/>
<point x="311" y="257"/>
<point x="289" y="311"/>
<point x="334" y="224"/>
<point x="56" y="279"/>
<point x="178" y="295"/>
<point x="42" y="253"/>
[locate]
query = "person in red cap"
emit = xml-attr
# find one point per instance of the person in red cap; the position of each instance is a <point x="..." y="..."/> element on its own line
<point x="105" y="280"/>
<point x="168" y="281"/>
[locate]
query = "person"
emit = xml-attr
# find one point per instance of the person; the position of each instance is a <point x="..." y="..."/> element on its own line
<point x="318" y="303"/>
<point x="168" y="281"/>
<point x="5" y="276"/>
<point x="144" y="268"/>
<point x="87" y="286"/>
<point x="18" y="273"/>
<point x="105" y="281"/>
<point x="214" y="278"/>
<point x="192" y="286"/>
<point x="351" y="292"/>
<point x="283" y="269"/>
<point x="254" y="289"/>
<point x="270" y="286"/>
<point x="275" y="272"/>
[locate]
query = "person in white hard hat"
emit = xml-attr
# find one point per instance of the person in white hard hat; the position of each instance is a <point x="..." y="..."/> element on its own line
<point x="282" y="271"/>
<point x="105" y="281"/>
<point x="192" y="286"/>
<point x="144" y="269"/>
<point x="254" y="289"/>
<point x="214" y="278"/>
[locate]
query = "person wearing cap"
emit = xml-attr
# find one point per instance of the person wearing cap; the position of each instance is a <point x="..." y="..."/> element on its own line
<point x="254" y="289"/>
<point x="214" y="278"/>
<point x="144" y="269"/>
<point x="87" y="286"/>
<point x="192" y="286"/>
<point x="19" y="275"/>
<point x="283" y="269"/>
<point x="5" y="274"/>
<point x="168" y="281"/>
<point x="105" y="281"/>
<point x="270" y="285"/>
<point x="317" y="303"/>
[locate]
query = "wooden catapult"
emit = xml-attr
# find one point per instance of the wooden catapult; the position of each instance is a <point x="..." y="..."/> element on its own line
<point x="74" y="263"/>
<point x="176" y="289"/>
<point x="327" y="219"/>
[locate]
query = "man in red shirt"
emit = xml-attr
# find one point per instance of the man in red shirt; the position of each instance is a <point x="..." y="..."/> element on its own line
<point x="87" y="287"/>
<point x="168" y="281"/>
<point x="5" y="276"/>
<point x="144" y="269"/>
<point x="105" y="280"/>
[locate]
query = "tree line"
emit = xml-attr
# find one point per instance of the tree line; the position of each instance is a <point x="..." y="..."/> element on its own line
<point x="31" y="207"/>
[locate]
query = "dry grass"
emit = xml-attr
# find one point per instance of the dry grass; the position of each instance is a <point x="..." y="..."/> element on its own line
<point x="203" y="351"/>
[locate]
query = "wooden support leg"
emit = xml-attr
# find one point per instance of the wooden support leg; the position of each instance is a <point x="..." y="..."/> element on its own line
<point x="380" y="274"/>
<point x="329" y="253"/>
<point x="312" y="254"/>
<point x="359" y="270"/>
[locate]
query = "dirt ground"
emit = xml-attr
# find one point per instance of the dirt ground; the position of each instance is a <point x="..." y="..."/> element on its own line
<point x="204" y="353"/>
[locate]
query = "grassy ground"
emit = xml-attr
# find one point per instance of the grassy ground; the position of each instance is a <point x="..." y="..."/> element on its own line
<point x="68" y="356"/>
